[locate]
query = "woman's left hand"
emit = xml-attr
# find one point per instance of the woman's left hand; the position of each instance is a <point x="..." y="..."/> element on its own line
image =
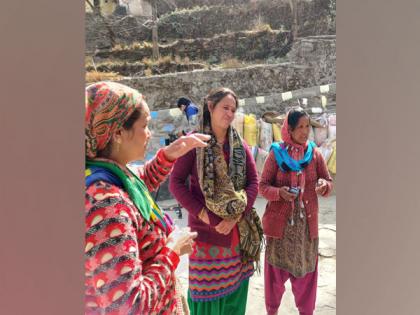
<point x="321" y="187"/>
<point x="225" y="226"/>
<point x="184" y="144"/>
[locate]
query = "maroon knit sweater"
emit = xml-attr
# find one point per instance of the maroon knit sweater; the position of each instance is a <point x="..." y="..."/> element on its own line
<point x="191" y="197"/>
<point x="278" y="210"/>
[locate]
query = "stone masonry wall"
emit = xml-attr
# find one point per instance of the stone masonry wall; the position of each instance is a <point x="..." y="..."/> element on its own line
<point x="246" y="46"/>
<point x="315" y="17"/>
<point x="162" y="91"/>
<point x="317" y="52"/>
<point x="311" y="62"/>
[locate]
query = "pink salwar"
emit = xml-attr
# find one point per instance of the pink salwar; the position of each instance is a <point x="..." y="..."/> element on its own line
<point x="304" y="289"/>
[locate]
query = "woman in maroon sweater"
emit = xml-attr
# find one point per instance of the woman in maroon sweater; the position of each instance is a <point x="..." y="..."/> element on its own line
<point x="293" y="174"/>
<point x="222" y="189"/>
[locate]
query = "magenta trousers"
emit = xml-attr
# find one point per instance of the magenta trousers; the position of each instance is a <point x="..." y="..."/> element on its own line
<point x="304" y="289"/>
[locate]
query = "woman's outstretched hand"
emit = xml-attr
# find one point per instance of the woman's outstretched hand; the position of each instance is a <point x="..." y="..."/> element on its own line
<point x="182" y="241"/>
<point x="184" y="144"/>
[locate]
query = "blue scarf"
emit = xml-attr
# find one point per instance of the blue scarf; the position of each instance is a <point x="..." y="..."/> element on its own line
<point x="286" y="162"/>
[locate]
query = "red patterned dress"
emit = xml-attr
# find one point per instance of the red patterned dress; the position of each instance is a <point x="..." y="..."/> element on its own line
<point x="128" y="268"/>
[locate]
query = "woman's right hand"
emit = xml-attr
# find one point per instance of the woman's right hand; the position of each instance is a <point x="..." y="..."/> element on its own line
<point x="285" y="194"/>
<point x="184" y="244"/>
<point x="184" y="144"/>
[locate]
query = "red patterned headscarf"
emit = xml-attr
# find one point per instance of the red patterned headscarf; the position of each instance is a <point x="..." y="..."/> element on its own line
<point x="108" y="106"/>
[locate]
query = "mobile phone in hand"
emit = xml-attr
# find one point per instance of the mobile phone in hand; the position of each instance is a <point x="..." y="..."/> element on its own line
<point x="294" y="190"/>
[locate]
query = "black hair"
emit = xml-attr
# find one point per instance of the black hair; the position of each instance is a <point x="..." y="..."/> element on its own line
<point x="183" y="101"/>
<point x="214" y="97"/>
<point x="294" y="116"/>
<point x="128" y="125"/>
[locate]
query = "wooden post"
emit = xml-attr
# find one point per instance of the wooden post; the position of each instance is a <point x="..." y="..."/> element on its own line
<point x="155" y="32"/>
<point x="294" y="10"/>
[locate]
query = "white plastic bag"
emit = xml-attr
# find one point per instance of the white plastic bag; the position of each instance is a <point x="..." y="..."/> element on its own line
<point x="238" y="123"/>
<point x="321" y="133"/>
<point x="260" y="161"/>
<point x="332" y="127"/>
<point x="266" y="135"/>
<point x="326" y="150"/>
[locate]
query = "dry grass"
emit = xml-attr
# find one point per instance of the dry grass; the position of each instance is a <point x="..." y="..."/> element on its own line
<point x="147" y="45"/>
<point x="259" y="27"/>
<point x="88" y="61"/>
<point x="95" y="76"/>
<point x="148" y="72"/>
<point x="189" y="10"/>
<point x="118" y="47"/>
<point x="149" y="62"/>
<point x="231" y="63"/>
<point x="133" y="46"/>
<point x="165" y="60"/>
<point x="136" y="46"/>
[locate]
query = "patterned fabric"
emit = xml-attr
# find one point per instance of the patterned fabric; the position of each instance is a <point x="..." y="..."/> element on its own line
<point x="295" y="253"/>
<point x="154" y="171"/>
<point x="216" y="271"/>
<point x="108" y="106"/>
<point x="296" y="151"/>
<point x="278" y="211"/>
<point x="185" y="187"/>
<point x="128" y="268"/>
<point x="136" y="189"/>
<point x="222" y="188"/>
<point x="286" y="163"/>
<point x="224" y="193"/>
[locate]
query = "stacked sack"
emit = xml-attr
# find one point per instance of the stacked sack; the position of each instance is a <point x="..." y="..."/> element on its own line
<point x="259" y="134"/>
<point x="326" y="139"/>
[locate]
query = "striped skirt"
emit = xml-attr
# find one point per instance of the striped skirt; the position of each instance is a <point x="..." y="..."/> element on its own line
<point x="216" y="271"/>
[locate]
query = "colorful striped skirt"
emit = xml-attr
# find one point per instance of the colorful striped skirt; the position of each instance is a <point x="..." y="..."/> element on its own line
<point x="216" y="272"/>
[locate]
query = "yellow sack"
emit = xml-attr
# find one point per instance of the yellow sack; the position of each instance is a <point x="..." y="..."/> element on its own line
<point x="332" y="162"/>
<point x="250" y="130"/>
<point x="276" y="132"/>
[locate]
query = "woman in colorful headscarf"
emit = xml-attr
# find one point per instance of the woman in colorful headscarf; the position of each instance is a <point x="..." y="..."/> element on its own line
<point x="219" y="198"/>
<point x="130" y="258"/>
<point x="294" y="173"/>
